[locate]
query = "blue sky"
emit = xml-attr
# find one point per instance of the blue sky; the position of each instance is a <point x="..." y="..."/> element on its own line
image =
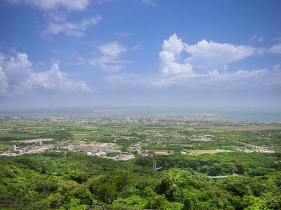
<point x="220" y="53"/>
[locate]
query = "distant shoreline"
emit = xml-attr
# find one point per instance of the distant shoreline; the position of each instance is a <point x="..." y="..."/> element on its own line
<point x="243" y="114"/>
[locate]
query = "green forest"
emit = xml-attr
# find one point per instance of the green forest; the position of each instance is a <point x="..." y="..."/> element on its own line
<point x="73" y="180"/>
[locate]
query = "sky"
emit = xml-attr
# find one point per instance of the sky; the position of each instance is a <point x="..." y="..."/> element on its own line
<point x="219" y="53"/>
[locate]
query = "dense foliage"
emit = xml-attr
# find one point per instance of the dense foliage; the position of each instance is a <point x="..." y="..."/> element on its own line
<point x="66" y="180"/>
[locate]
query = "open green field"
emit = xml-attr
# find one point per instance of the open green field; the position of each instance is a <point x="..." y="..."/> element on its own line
<point x="177" y="138"/>
<point x="200" y="152"/>
<point x="244" y="128"/>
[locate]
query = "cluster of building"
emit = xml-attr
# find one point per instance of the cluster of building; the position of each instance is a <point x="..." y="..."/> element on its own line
<point x="161" y="119"/>
<point x="252" y="148"/>
<point x="205" y="137"/>
<point x="93" y="149"/>
<point x="37" y="147"/>
<point x="102" y="150"/>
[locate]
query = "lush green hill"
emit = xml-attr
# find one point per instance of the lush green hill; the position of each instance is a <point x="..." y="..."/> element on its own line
<point x="69" y="180"/>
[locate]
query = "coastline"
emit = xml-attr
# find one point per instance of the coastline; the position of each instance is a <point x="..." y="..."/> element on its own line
<point x="243" y="114"/>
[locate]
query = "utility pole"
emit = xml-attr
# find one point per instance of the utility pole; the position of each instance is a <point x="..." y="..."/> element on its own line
<point x="154" y="166"/>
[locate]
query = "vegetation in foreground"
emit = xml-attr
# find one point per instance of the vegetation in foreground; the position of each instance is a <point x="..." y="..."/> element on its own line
<point x="67" y="180"/>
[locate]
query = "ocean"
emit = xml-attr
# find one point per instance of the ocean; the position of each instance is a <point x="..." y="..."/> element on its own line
<point x="242" y="114"/>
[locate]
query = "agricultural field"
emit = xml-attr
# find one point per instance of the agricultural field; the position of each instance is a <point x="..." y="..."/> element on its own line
<point x="208" y="138"/>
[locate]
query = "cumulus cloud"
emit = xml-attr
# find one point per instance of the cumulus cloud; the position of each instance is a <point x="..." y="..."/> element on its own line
<point x="109" y="60"/>
<point x="17" y="69"/>
<point x="18" y="77"/>
<point x="173" y="45"/>
<point x="205" y="66"/>
<point x="216" y="51"/>
<point x="214" y="55"/>
<point x="54" y="4"/>
<point x="202" y="57"/>
<point x="170" y="56"/>
<point x="54" y="79"/>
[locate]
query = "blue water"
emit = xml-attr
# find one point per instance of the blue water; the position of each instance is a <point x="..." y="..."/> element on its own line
<point x="252" y="114"/>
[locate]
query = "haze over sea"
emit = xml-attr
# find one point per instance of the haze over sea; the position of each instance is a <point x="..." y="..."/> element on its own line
<point x="243" y="114"/>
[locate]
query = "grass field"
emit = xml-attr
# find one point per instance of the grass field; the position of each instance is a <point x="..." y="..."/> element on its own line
<point x="222" y="128"/>
<point x="152" y="137"/>
<point x="200" y="152"/>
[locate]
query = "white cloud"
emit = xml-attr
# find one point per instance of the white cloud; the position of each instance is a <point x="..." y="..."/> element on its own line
<point x="241" y="79"/>
<point x="275" y="78"/>
<point x="122" y="34"/>
<point x="225" y="67"/>
<point x="202" y="57"/>
<point x="178" y="71"/>
<point x="275" y="49"/>
<point x="54" y="79"/>
<point x="215" y="55"/>
<point x="136" y="47"/>
<point x="277" y="66"/>
<point x="170" y="65"/>
<point x="18" y="77"/>
<point x="148" y="2"/>
<point x="17" y="69"/>
<point x="57" y="12"/>
<point x="278" y="38"/>
<point x="3" y="82"/>
<point x="170" y="56"/>
<point x="109" y="60"/>
<point x="214" y="73"/>
<point x="54" y="4"/>
<point x="199" y="69"/>
<point x="260" y="39"/>
<point x="253" y="37"/>
<point x="2" y="58"/>
<point x="103" y="1"/>
<point x="112" y="49"/>
<point x="61" y="25"/>
<point x="173" y="45"/>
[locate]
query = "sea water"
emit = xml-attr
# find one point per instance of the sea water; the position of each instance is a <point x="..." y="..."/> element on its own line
<point x="249" y="114"/>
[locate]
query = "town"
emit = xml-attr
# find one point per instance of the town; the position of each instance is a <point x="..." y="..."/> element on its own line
<point x="121" y="137"/>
